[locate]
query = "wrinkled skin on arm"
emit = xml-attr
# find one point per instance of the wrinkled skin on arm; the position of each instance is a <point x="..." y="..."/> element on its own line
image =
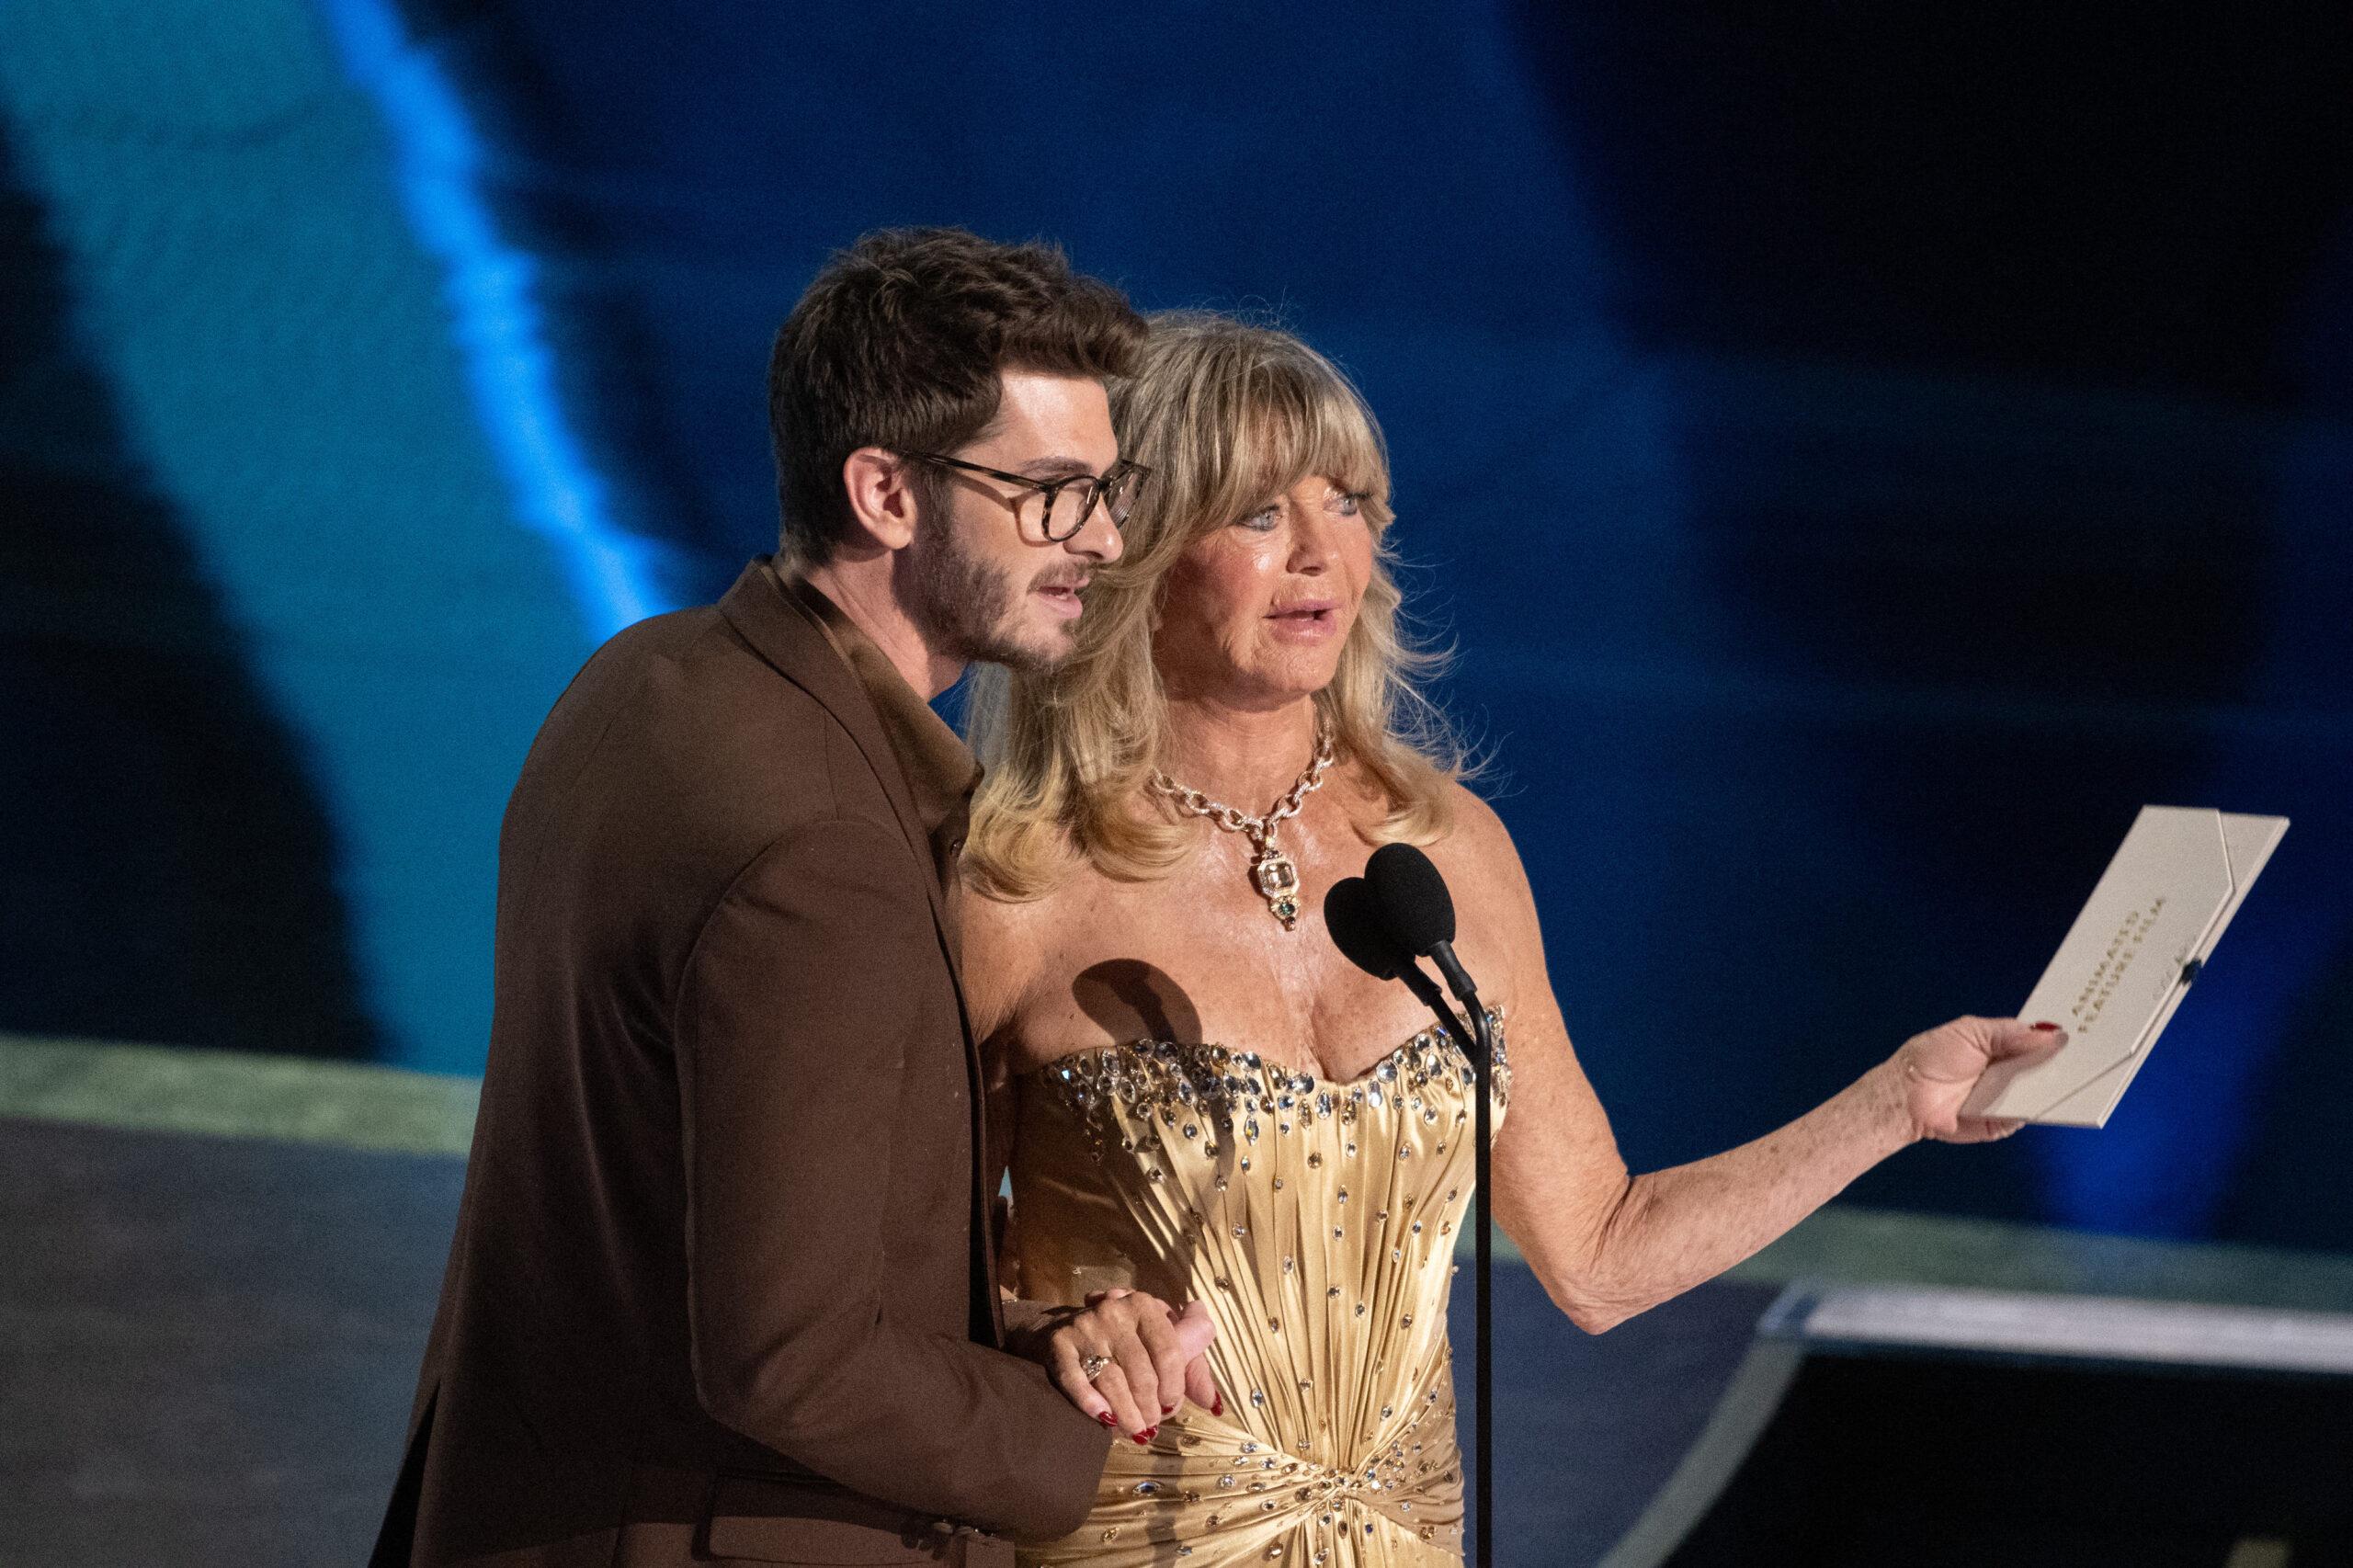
<point x="1608" y="1244"/>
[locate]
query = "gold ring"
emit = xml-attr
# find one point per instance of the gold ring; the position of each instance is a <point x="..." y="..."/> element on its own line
<point x="1091" y="1366"/>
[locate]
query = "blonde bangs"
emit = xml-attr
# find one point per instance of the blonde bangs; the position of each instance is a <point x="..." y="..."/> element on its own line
<point x="1293" y="427"/>
<point x="1228" y="415"/>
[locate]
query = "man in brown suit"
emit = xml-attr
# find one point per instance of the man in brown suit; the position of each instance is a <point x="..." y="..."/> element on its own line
<point x="723" y="1287"/>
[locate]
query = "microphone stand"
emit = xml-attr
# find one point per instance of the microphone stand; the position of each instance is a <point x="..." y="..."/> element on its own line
<point x="1481" y="1033"/>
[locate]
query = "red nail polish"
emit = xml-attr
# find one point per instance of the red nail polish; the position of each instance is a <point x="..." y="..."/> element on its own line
<point x="1167" y="1410"/>
<point x="2046" y="1027"/>
<point x="1106" y="1417"/>
<point x="1217" y="1405"/>
<point x="1147" y="1436"/>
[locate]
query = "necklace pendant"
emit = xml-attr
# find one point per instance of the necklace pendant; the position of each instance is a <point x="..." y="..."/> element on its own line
<point x="1277" y="880"/>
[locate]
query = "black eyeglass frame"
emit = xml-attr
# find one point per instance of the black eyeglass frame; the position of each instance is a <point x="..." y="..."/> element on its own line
<point x="1051" y="489"/>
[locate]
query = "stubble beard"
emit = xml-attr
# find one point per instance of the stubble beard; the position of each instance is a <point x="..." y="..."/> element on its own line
<point x="969" y="610"/>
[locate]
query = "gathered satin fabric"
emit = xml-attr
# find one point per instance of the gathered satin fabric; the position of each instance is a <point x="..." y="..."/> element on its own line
<point x="1318" y="1220"/>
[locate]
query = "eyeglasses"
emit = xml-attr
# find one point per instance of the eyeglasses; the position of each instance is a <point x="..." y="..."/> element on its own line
<point x="1071" y="499"/>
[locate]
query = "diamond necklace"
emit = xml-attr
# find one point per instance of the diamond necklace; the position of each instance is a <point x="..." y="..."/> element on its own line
<point x="1271" y="870"/>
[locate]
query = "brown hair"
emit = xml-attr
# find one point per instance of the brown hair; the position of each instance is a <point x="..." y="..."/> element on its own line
<point x="1228" y="413"/>
<point x="898" y="344"/>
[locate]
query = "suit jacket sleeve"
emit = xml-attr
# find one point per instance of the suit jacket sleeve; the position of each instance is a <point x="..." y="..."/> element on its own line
<point x="792" y="1028"/>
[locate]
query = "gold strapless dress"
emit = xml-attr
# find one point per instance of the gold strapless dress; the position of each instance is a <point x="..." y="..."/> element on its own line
<point x="1318" y="1220"/>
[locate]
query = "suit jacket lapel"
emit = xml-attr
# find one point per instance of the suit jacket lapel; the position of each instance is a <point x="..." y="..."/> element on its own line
<point x="782" y="635"/>
<point x="799" y="651"/>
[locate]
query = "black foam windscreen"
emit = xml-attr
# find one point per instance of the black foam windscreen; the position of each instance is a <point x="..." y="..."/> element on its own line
<point x="1414" y="906"/>
<point x="1353" y="916"/>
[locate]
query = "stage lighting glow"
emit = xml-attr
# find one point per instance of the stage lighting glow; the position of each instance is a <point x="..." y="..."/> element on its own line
<point x="497" y="322"/>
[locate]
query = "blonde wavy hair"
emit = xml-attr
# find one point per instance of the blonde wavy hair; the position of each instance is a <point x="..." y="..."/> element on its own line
<point x="1228" y="415"/>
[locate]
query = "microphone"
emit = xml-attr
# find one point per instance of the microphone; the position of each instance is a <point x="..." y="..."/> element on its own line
<point x="1418" y="914"/>
<point x="1398" y="912"/>
<point x="1360" y="930"/>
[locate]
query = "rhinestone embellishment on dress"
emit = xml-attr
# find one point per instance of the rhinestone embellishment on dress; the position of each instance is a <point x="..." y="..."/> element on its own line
<point x="1285" y="1205"/>
<point x="1166" y="1079"/>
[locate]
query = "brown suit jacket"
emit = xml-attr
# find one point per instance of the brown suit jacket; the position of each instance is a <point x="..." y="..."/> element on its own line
<point x="721" y="1285"/>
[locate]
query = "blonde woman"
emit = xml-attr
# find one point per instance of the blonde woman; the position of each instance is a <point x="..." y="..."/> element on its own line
<point x="1209" y="1103"/>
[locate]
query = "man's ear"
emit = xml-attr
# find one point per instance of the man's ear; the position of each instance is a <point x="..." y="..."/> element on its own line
<point x="881" y="487"/>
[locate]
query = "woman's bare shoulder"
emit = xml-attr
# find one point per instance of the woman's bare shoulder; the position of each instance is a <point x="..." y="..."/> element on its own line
<point x="1008" y="944"/>
<point x="1003" y="939"/>
<point x="1492" y="896"/>
<point x="1068" y="899"/>
<point x="1477" y="844"/>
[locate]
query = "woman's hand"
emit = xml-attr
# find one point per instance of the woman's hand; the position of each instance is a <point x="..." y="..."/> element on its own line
<point x="1936" y="1071"/>
<point x="1152" y="1358"/>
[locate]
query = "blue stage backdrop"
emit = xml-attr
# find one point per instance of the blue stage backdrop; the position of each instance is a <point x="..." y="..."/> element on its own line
<point x="1859" y="456"/>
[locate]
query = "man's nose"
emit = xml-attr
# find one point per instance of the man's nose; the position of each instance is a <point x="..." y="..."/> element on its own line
<point x="1099" y="540"/>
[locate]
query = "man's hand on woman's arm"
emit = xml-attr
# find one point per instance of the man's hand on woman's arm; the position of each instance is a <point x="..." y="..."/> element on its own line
<point x="1153" y="1353"/>
<point x="1152" y="1358"/>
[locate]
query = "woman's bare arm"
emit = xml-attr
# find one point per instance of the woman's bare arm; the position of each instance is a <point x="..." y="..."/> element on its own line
<point x="1607" y="1244"/>
<point x="999" y="968"/>
<point x="1157" y="1345"/>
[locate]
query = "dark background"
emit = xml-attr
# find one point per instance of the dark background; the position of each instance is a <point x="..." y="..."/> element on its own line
<point x="1860" y="453"/>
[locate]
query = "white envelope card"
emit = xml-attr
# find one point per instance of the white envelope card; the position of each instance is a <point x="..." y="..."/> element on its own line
<point x="2158" y="911"/>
